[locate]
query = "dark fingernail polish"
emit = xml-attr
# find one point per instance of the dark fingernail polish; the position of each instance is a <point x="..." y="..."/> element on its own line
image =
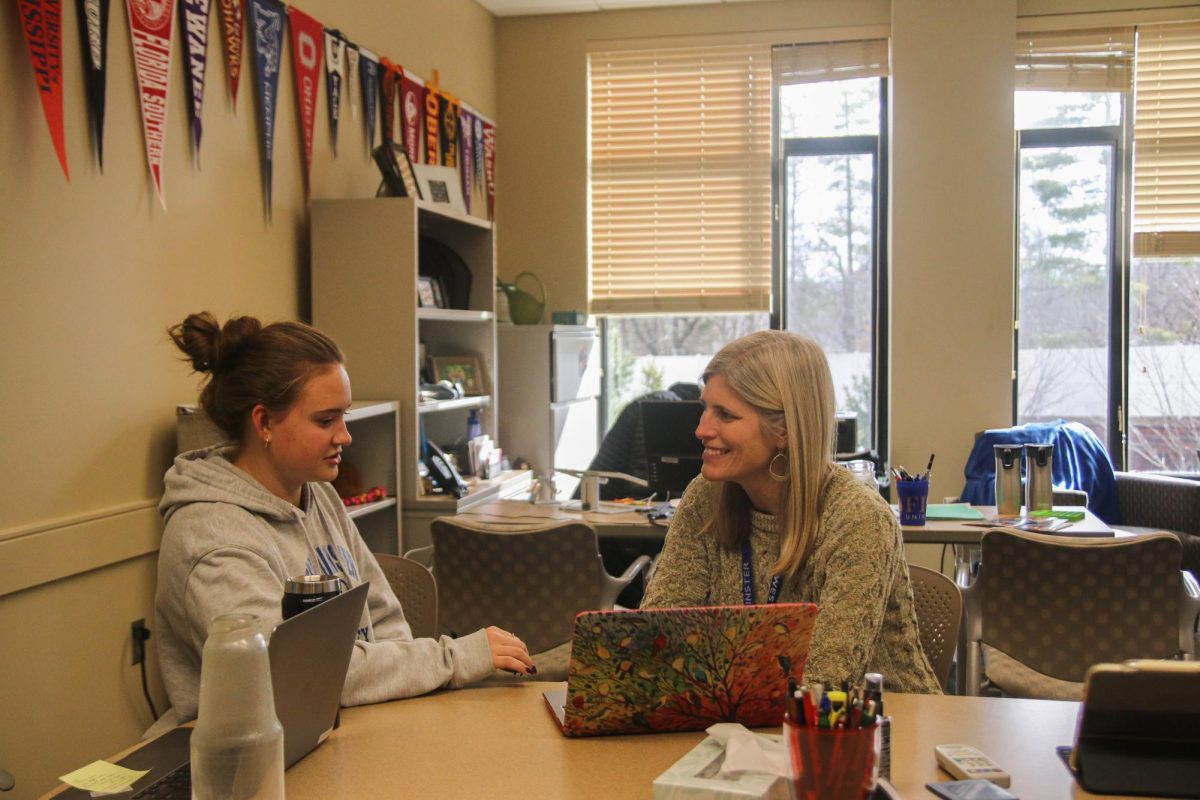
<point x="532" y="670"/>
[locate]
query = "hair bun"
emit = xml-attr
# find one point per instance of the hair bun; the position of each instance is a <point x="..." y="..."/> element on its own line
<point x="232" y="338"/>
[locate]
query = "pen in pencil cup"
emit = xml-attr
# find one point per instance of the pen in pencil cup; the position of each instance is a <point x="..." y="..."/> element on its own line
<point x="929" y="467"/>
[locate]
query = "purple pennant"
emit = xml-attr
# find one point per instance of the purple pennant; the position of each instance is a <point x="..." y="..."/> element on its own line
<point x="467" y="158"/>
<point x="335" y="78"/>
<point x="368" y="70"/>
<point x="478" y="145"/>
<point x="195" y="39"/>
<point x="93" y="35"/>
<point x="267" y="22"/>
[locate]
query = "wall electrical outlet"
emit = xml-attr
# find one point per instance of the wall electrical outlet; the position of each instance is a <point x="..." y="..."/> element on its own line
<point x="139" y="632"/>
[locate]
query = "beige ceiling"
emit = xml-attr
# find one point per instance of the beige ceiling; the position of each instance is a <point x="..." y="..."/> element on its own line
<point x="515" y="8"/>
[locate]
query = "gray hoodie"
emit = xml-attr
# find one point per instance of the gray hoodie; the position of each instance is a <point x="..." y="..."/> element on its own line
<point x="229" y="545"/>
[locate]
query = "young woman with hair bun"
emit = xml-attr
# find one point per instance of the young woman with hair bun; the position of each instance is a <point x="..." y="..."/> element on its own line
<point x="245" y="515"/>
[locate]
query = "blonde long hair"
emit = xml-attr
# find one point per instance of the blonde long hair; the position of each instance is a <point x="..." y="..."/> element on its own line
<point x="785" y="378"/>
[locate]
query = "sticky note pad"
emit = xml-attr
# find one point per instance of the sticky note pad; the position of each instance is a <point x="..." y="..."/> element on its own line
<point x="101" y="776"/>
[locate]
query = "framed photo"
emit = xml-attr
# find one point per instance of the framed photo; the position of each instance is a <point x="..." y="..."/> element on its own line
<point x="427" y="294"/>
<point x="459" y="369"/>
<point x="397" y="171"/>
<point x="441" y="185"/>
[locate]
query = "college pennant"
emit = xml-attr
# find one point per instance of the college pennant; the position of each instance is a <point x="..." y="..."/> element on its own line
<point x="433" y="122"/>
<point x="392" y="74"/>
<point x="307" y="35"/>
<point x="335" y="77"/>
<point x="93" y="36"/>
<point x="448" y="130"/>
<point x="467" y="162"/>
<point x="368" y="71"/>
<point x="266" y="21"/>
<point x="42" y="23"/>
<point x="150" y="31"/>
<point x="195" y="41"/>
<point x="412" y="111"/>
<point x="232" y="12"/>
<point x="352" y="78"/>
<point x="489" y="166"/>
<point x="478" y="147"/>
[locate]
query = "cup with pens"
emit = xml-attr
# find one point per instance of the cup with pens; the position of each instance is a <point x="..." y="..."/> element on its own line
<point x="831" y="736"/>
<point x="912" y="494"/>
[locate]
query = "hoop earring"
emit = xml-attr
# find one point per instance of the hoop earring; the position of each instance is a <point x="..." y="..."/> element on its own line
<point x="784" y="469"/>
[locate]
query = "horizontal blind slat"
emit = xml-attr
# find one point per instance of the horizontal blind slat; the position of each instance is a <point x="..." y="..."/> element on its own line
<point x="679" y="169"/>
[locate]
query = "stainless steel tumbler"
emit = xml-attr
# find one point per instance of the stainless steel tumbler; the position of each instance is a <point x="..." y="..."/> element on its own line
<point x="1039" y="483"/>
<point x="1008" y="479"/>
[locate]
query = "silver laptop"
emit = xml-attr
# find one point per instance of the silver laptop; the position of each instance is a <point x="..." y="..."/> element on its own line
<point x="310" y="655"/>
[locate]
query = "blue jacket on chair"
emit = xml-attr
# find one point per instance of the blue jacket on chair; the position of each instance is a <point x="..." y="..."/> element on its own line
<point x="1080" y="462"/>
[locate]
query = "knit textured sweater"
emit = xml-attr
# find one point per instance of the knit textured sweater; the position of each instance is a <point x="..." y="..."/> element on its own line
<point x="856" y="573"/>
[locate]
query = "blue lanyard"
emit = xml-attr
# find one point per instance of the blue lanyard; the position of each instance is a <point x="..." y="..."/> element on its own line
<point x="748" y="578"/>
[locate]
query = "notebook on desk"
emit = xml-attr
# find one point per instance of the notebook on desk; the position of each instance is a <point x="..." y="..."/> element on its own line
<point x="310" y="655"/>
<point x="680" y="669"/>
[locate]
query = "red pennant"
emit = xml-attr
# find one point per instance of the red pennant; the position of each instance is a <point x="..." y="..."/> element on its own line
<point x="42" y="22"/>
<point x="489" y="166"/>
<point x="412" y="110"/>
<point x="150" y="30"/>
<point x="433" y="115"/>
<point x="307" y="38"/>
<point x="232" y="14"/>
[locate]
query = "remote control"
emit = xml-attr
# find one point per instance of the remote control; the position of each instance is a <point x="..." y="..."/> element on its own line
<point x="966" y="763"/>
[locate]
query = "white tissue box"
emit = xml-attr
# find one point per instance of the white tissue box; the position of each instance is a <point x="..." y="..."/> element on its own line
<point x="697" y="776"/>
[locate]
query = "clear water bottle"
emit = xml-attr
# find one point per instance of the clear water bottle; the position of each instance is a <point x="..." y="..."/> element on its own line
<point x="237" y="747"/>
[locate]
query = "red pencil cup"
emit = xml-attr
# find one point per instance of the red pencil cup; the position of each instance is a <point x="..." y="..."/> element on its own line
<point x="831" y="764"/>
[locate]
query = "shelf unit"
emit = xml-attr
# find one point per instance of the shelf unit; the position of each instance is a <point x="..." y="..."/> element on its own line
<point x="365" y="263"/>
<point x="375" y="451"/>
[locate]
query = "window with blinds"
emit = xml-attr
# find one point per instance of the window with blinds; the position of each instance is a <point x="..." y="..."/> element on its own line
<point x="1166" y="133"/>
<point x="1091" y="60"/>
<point x="680" y="180"/>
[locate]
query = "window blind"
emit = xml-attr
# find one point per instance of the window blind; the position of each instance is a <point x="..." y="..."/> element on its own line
<point x="680" y="180"/>
<point x="1166" y="134"/>
<point x="1093" y="60"/>
<point x="830" y="61"/>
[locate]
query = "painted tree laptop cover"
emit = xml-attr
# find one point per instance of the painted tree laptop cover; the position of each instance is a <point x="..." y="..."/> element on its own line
<point x="682" y="669"/>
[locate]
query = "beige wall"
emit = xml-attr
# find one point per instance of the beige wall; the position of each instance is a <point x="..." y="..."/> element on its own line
<point x="91" y="273"/>
<point x="952" y="195"/>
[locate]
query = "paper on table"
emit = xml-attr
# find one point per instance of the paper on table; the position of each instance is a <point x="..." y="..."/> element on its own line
<point x="101" y="776"/>
<point x="952" y="511"/>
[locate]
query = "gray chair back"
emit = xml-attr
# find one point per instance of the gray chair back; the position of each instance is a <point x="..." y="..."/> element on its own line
<point x="939" y="607"/>
<point x="531" y="582"/>
<point x="416" y="589"/>
<point x="1045" y="608"/>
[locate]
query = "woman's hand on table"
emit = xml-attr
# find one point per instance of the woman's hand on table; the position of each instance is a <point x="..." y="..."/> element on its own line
<point x="508" y="652"/>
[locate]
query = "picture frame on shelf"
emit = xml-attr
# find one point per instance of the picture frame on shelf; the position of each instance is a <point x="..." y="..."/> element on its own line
<point x="440" y="185"/>
<point x="439" y="294"/>
<point x="397" y="171"/>
<point x="464" y="369"/>
<point x="427" y="294"/>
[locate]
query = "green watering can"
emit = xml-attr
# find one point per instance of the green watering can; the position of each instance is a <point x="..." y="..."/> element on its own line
<point x="524" y="308"/>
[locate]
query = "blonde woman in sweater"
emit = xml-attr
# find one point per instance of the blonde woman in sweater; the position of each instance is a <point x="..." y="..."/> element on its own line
<point x="772" y="518"/>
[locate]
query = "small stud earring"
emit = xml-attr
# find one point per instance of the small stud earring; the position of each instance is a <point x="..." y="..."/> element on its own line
<point x="267" y="443"/>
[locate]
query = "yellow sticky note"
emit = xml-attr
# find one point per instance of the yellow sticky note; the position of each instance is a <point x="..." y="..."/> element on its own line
<point x="101" y="776"/>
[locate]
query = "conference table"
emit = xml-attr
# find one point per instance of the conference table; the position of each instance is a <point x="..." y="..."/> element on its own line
<point x="618" y="521"/>
<point x="501" y="742"/>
